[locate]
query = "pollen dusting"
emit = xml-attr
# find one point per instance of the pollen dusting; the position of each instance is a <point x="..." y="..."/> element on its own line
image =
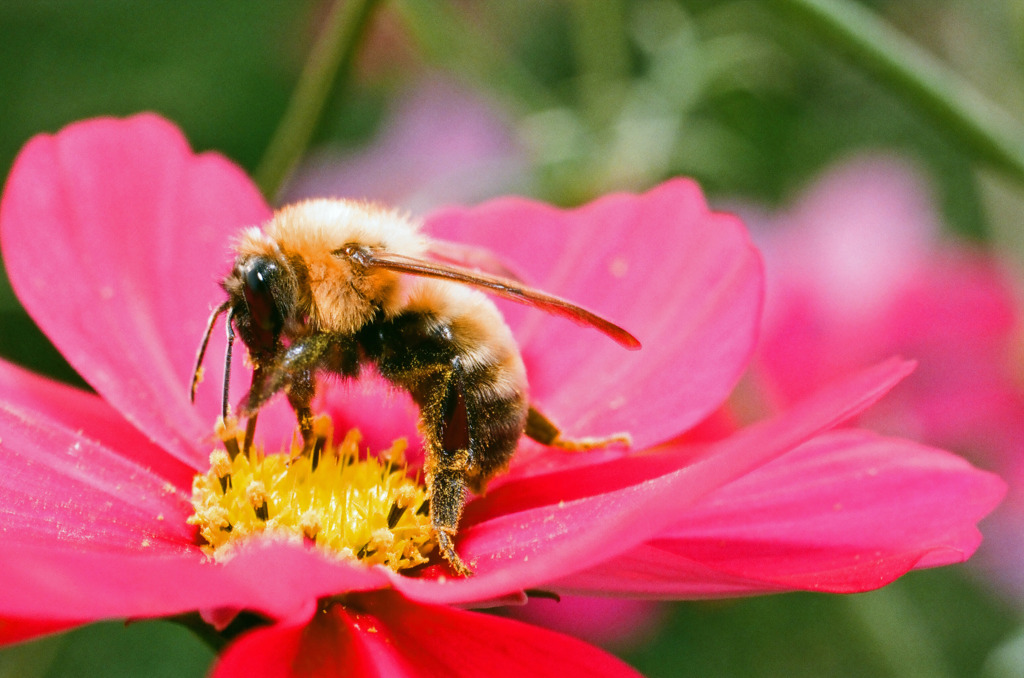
<point x="364" y="508"/>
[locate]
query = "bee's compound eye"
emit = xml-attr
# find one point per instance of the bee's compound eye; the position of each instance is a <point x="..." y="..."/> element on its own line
<point x="258" y="275"/>
<point x="259" y="295"/>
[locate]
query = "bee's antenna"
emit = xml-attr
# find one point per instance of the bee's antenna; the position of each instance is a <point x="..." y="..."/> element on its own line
<point x="202" y="349"/>
<point x="227" y="365"/>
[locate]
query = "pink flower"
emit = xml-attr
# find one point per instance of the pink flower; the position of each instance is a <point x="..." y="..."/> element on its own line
<point x="114" y="235"/>
<point x="441" y="144"/>
<point x="857" y="270"/>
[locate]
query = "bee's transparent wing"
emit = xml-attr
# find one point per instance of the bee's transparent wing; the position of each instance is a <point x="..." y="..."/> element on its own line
<point x="502" y="286"/>
<point x="471" y="258"/>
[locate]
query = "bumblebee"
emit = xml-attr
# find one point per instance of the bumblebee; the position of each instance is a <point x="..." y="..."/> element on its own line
<point x="335" y="286"/>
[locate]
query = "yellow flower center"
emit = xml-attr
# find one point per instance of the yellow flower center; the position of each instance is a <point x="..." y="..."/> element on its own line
<point x="367" y="509"/>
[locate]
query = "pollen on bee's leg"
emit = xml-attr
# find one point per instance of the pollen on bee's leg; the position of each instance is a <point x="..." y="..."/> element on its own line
<point x="444" y="540"/>
<point x="586" y="444"/>
<point x="342" y="500"/>
<point x="540" y="428"/>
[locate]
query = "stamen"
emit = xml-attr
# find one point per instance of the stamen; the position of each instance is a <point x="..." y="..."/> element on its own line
<point x="220" y="465"/>
<point x="225" y="432"/>
<point x="310" y="524"/>
<point x="394" y="515"/>
<point x="367" y="508"/>
<point x="318" y="448"/>
<point x="382" y="539"/>
<point x="257" y="495"/>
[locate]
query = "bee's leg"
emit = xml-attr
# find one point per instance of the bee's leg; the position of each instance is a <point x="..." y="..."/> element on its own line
<point x="250" y="432"/>
<point x="258" y="375"/>
<point x="300" y="394"/>
<point x="471" y="422"/>
<point x="449" y="444"/>
<point x="445" y="423"/>
<point x="545" y="432"/>
<point x="294" y="371"/>
<point x="447" y="483"/>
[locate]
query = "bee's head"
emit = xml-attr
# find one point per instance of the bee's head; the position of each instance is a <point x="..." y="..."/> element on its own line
<point x="262" y="293"/>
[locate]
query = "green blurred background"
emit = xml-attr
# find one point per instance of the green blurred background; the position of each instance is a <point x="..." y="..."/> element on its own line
<point x="744" y="96"/>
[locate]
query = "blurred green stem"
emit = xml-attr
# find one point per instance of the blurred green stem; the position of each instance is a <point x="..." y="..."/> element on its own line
<point x="968" y="118"/>
<point x="602" y="55"/>
<point x="455" y="43"/>
<point x="328" y="66"/>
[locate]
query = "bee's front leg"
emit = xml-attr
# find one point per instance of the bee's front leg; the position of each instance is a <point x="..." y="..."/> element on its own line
<point x="301" y="390"/>
<point x="258" y="374"/>
<point x="293" y="370"/>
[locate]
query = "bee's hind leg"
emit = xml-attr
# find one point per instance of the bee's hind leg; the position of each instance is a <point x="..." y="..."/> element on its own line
<point x="545" y="432"/>
<point x="449" y="440"/>
<point x="447" y="482"/>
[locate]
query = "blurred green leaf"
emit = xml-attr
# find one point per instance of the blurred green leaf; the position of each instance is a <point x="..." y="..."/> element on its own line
<point x="968" y="118"/>
<point x="222" y="71"/>
<point x="154" y="649"/>
<point x="806" y="635"/>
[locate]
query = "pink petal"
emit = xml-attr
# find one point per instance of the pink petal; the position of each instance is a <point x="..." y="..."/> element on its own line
<point x="858" y="270"/>
<point x="17" y="630"/>
<point x="90" y="533"/>
<point x="386" y="635"/>
<point x="61" y="489"/>
<point x="275" y="650"/>
<point x="114" y="234"/>
<point x="277" y="579"/>
<point x="685" y="281"/>
<point x="848" y="511"/>
<point x="547" y="527"/>
<point x="90" y="416"/>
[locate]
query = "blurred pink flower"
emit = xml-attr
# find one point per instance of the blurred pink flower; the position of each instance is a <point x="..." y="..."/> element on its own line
<point x="114" y="234"/>
<point x="440" y="145"/>
<point x="857" y="270"/>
